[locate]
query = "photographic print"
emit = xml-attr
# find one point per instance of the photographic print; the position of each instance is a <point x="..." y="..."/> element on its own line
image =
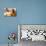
<point x="9" y="11"/>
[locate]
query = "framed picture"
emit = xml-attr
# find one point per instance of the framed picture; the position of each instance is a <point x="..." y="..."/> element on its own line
<point x="9" y="11"/>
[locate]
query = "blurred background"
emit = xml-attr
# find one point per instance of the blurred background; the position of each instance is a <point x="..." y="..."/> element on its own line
<point x="28" y="12"/>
